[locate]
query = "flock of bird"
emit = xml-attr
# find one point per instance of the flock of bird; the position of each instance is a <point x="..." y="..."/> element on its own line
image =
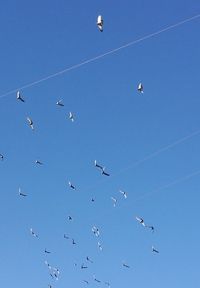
<point x="54" y="272"/>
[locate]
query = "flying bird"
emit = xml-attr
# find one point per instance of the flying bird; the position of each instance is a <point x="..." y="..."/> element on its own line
<point x="86" y="281"/>
<point x="70" y="218"/>
<point x="123" y="193"/>
<point x="66" y="237"/>
<point x="100" y="23"/>
<point x="30" y="123"/>
<point x="46" y="251"/>
<point x="38" y="162"/>
<point x="99" y="246"/>
<point x="154" y="250"/>
<point x="96" y="231"/>
<point x="125" y="265"/>
<point x="71" y="116"/>
<point x="19" y="97"/>
<point x="83" y="266"/>
<point x="140" y="88"/>
<point x="151" y="227"/>
<point x="89" y="260"/>
<point x="22" y="194"/>
<point x="33" y="233"/>
<point x="95" y="279"/>
<point x="97" y="165"/>
<point x="1" y="156"/>
<point x="71" y="186"/>
<point x="104" y="173"/>
<point x="73" y="242"/>
<point x="141" y="221"/>
<point x="114" y="201"/>
<point x="59" y="103"/>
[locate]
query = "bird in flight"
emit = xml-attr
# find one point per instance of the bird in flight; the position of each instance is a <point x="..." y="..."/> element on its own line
<point x="38" y="162"/>
<point x="96" y="231"/>
<point x="1" y="156"/>
<point x="114" y="201"/>
<point x="71" y="116"/>
<point x="70" y="218"/>
<point x="100" y="23"/>
<point x="19" y="97"/>
<point x="33" y="233"/>
<point x="73" y="242"/>
<point x="46" y="251"/>
<point x="141" y="221"/>
<point x="89" y="260"/>
<point x="83" y="266"/>
<point x="71" y="186"/>
<point x="86" y="281"/>
<point x="22" y="194"/>
<point x="99" y="246"/>
<point x="59" y="103"/>
<point x="140" y="88"/>
<point x="125" y="265"/>
<point x="123" y="193"/>
<point x="154" y="250"/>
<point x="95" y="279"/>
<point x="66" y="237"/>
<point x="101" y="168"/>
<point x="30" y="123"/>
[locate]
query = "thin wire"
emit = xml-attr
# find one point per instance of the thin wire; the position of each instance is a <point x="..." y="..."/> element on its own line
<point x="148" y="157"/>
<point x="100" y="56"/>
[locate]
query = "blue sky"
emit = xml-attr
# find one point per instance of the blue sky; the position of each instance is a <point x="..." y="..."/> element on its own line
<point x="113" y="124"/>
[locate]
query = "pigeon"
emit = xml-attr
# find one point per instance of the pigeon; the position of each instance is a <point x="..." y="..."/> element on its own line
<point x="59" y="103"/>
<point x="100" y="23"/>
<point x="95" y="279"/>
<point x="1" y="156"/>
<point x="30" y="122"/>
<point x="71" y="116"/>
<point x="125" y="265"/>
<point x="114" y="201"/>
<point x="38" y="162"/>
<point x="70" y="218"/>
<point x="123" y="193"/>
<point x="46" y="251"/>
<point x="19" y="97"/>
<point x="100" y="247"/>
<point x="22" y="194"/>
<point x="71" y="186"/>
<point x="89" y="260"/>
<point x="33" y="233"/>
<point x="140" y="220"/>
<point x="154" y="250"/>
<point x="83" y="266"/>
<point x="140" y="88"/>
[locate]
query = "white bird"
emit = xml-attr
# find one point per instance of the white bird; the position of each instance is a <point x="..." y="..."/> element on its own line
<point x="38" y="162"/>
<point x="71" y="116"/>
<point x="154" y="250"/>
<point x="141" y="221"/>
<point x="140" y="88"/>
<point x="100" y="23"/>
<point x="59" y="103"/>
<point x="123" y="193"/>
<point x="19" y="97"/>
<point x="71" y="186"/>
<point x="30" y="122"/>
<point x="99" y="245"/>
<point x="22" y="194"/>
<point x="114" y="201"/>
<point x="96" y="231"/>
<point x="33" y="233"/>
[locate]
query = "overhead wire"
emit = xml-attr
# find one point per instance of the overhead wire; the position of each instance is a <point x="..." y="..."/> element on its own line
<point x="73" y="67"/>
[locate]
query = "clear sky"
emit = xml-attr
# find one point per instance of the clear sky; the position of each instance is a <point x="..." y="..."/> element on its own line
<point x="114" y="124"/>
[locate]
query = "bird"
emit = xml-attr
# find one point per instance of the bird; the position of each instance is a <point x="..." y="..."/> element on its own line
<point x="140" y="88"/>
<point x="33" y="233"/>
<point x="114" y="201"/>
<point x="100" y="23"/>
<point x="141" y="221"/>
<point x="1" y="156"/>
<point x="73" y="242"/>
<point x="125" y="265"/>
<point x="151" y="227"/>
<point x="71" y="186"/>
<point x="92" y="199"/>
<point x="38" y="162"/>
<point x="22" y="194"/>
<point x="154" y="250"/>
<point x="100" y="247"/>
<point x="96" y="231"/>
<point x="70" y="218"/>
<point x="30" y="122"/>
<point x="83" y="266"/>
<point x="59" y="103"/>
<point x="86" y="281"/>
<point x="19" y="97"/>
<point x="71" y="116"/>
<point x="46" y="251"/>
<point x="104" y="173"/>
<point x="97" y="165"/>
<point x="123" y="193"/>
<point x="89" y="260"/>
<point x="66" y="237"/>
<point x="95" y="279"/>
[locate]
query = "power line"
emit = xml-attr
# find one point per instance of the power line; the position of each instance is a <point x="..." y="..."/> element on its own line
<point x="73" y="67"/>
